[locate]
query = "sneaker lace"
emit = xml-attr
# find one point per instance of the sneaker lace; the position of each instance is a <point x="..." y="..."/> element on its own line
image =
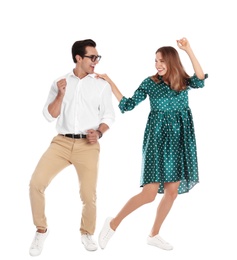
<point x="90" y="239"/>
<point x="161" y="239"/>
<point x="108" y="234"/>
<point x="37" y="242"/>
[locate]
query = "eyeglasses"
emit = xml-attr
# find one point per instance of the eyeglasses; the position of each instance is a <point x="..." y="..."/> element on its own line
<point x="93" y="57"/>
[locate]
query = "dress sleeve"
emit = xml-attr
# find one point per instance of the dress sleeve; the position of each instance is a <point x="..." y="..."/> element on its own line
<point x="195" y="82"/>
<point x="127" y="104"/>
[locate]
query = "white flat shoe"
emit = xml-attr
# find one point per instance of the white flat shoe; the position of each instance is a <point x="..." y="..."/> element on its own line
<point x="88" y="242"/>
<point x="158" y="241"/>
<point x="38" y="243"/>
<point x="106" y="233"/>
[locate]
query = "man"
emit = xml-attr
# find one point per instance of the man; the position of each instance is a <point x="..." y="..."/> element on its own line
<point x="82" y="105"/>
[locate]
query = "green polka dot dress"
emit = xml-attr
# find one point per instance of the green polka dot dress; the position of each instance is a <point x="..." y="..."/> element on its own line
<point x="169" y="145"/>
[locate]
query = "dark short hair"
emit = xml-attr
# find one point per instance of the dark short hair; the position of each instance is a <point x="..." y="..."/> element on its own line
<point x="79" y="48"/>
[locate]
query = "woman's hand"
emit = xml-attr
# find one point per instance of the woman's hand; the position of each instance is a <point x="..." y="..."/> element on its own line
<point x="103" y="76"/>
<point x="183" y="44"/>
<point x="114" y="88"/>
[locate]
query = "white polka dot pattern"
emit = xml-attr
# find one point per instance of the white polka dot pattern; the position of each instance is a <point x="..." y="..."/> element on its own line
<point x="169" y="145"/>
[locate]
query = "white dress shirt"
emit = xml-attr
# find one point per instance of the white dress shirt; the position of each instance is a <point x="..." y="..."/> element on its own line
<point x="87" y="103"/>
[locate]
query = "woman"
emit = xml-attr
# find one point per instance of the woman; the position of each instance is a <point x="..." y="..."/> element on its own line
<point x="169" y="164"/>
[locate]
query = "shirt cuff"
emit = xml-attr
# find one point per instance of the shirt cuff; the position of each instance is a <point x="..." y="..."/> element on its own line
<point x="47" y="115"/>
<point x="108" y="122"/>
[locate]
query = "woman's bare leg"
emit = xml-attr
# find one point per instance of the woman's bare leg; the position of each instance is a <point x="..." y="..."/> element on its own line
<point x="170" y="194"/>
<point x="147" y="195"/>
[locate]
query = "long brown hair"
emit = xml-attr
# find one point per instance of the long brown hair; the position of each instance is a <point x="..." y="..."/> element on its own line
<point x="176" y="76"/>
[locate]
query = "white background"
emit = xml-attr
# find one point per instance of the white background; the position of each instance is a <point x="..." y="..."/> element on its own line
<point x="36" y="40"/>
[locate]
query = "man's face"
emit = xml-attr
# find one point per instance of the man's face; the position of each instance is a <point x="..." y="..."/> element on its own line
<point x="90" y="59"/>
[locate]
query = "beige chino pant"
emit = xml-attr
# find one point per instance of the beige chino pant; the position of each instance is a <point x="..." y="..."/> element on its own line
<point x="62" y="152"/>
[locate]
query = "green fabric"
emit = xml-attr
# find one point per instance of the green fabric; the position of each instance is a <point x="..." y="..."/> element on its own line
<point x="169" y="145"/>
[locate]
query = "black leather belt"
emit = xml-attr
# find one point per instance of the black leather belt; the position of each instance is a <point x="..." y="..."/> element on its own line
<point x="77" y="136"/>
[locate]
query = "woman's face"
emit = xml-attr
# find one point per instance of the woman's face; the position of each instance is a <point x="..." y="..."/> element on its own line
<point x="160" y="64"/>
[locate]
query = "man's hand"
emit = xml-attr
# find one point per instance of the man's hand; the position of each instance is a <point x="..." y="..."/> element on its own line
<point x="61" y="84"/>
<point x="92" y="136"/>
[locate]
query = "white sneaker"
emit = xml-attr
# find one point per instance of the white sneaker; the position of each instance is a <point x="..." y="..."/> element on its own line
<point x="106" y="233"/>
<point x="88" y="242"/>
<point x="37" y="243"/>
<point x="159" y="242"/>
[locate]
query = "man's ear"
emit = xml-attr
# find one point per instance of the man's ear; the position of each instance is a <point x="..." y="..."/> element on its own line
<point x="78" y="58"/>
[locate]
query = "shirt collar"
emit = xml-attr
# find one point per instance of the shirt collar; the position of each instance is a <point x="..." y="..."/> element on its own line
<point x="71" y="74"/>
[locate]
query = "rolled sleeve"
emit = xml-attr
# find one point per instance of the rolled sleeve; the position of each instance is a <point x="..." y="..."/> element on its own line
<point x="47" y="115"/>
<point x="51" y="96"/>
<point x="107" y="113"/>
<point x="195" y="82"/>
<point x="128" y="104"/>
